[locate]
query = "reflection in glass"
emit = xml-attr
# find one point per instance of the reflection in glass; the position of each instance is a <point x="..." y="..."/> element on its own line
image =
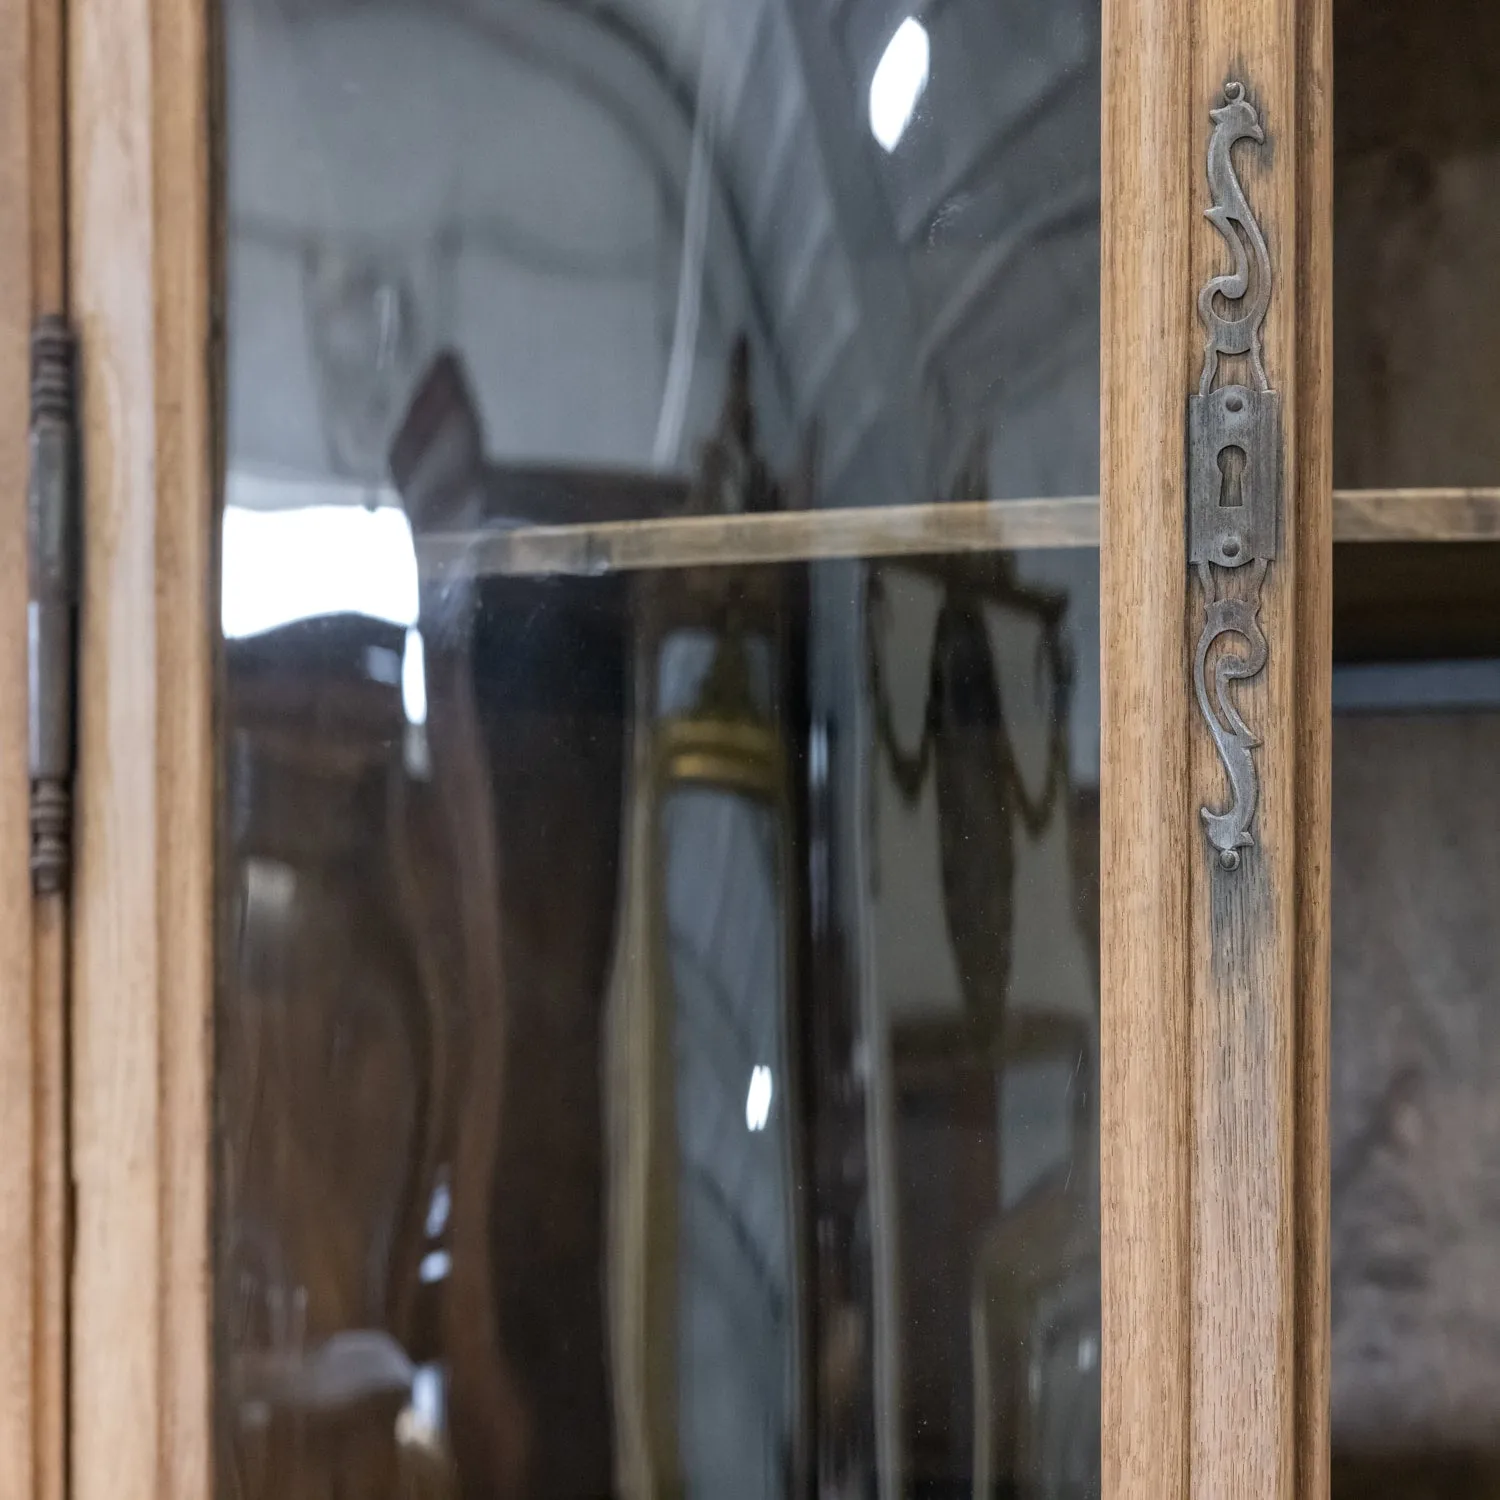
<point x="658" y="1008"/>
<point x="737" y="1295"/>
<point x="705" y="1249"/>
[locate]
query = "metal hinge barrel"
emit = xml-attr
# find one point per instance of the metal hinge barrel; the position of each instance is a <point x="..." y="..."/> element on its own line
<point x="52" y="603"/>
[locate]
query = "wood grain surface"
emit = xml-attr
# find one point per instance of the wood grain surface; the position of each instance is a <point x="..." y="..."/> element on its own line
<point x="1242" y="926"/>
<point x="33" y="994"/>
<point x="586" y="549"/>
<point x="1214" y="1229"/>
<point x="19" y="1250"/>
<point x="51" y="917"/>
<point x="770" y="536"/>
<point x="1416" y="515"/>
<point x="1148" y="835"/>
<point x="1314" y="520"/>
<point x="142" y="973"/>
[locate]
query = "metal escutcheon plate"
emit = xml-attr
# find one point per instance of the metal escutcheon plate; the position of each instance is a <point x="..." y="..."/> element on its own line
<point x="1234" y="475"/>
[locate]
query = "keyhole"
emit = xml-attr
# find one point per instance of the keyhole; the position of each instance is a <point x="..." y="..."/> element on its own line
<point x="1231" y="475"/>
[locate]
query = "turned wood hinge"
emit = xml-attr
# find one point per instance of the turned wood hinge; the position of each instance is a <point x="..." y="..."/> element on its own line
<point x="53" y="545"/>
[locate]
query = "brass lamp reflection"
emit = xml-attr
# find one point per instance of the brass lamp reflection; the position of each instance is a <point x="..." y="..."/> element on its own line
<point x="706" y="1311"/>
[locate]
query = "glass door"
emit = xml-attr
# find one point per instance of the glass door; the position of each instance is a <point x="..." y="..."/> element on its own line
<point x="657" y="986"/>
<point x="650" y="930"/>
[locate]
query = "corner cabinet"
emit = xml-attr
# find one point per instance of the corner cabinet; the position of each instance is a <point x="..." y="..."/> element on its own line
<point x="699" y="827"/>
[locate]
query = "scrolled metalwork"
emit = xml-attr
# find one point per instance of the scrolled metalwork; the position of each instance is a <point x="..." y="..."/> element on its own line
<point x="1234" y="475"/>
<point x="1246" y="290"/>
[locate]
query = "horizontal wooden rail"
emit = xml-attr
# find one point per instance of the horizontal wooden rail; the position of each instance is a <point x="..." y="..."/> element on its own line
<point x="1416" y="515"/>
<point x="587" y="550"/>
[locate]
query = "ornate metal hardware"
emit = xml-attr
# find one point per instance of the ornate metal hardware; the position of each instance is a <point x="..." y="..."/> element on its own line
<point x="1234" y="475"/>
<point x="52" y="603"/>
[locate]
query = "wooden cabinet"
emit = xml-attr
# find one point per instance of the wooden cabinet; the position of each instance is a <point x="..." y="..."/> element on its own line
<point x="689" y="878"/>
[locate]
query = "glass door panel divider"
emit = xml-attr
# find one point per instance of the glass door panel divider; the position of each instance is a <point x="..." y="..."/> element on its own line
<point x="1214" y="979"/>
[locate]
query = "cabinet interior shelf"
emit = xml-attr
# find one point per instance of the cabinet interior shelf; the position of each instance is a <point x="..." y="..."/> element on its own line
<point x="589" y="549"/>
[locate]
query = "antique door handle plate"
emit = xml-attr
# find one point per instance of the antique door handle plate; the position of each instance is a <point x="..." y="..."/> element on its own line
<point x="1234" y="476"/>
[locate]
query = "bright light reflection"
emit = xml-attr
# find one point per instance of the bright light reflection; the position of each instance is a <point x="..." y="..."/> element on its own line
<point x="439" y="1209"/>
<point x="414" y="679"/>
<point x="900" y="78"/>
<point x="758" y="1100"/>
<point x="436" y="1264"/>
<point x="299" y="563"/>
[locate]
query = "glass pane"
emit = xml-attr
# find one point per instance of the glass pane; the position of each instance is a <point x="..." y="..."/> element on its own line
<point x="1416" y="244"/>
<point x="658" y="1009"/>
<point x="1415" y="1133"/>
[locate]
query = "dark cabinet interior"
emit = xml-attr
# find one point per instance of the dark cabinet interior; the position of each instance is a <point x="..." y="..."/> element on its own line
<point x="1416" y="797"/>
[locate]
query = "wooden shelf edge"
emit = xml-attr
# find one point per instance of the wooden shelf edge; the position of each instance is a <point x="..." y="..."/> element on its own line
<point x="591" y="550"/>
<point x="1416" y="515"/>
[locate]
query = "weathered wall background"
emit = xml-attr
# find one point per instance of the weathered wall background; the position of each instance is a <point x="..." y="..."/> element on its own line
<point x="1416" y="1084"/>
<point x="1416" y="874"/>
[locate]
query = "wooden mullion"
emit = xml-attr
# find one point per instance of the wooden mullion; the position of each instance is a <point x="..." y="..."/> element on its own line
<point x="1315" y="521"/>
<point x="18" y="1207"/>
<point x="51" y="915"/>
<point x="141" y="281"/>
<point x="1145" y="844"/>
<point x="1215" y="981"/>
<point x="33" y="932"/>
